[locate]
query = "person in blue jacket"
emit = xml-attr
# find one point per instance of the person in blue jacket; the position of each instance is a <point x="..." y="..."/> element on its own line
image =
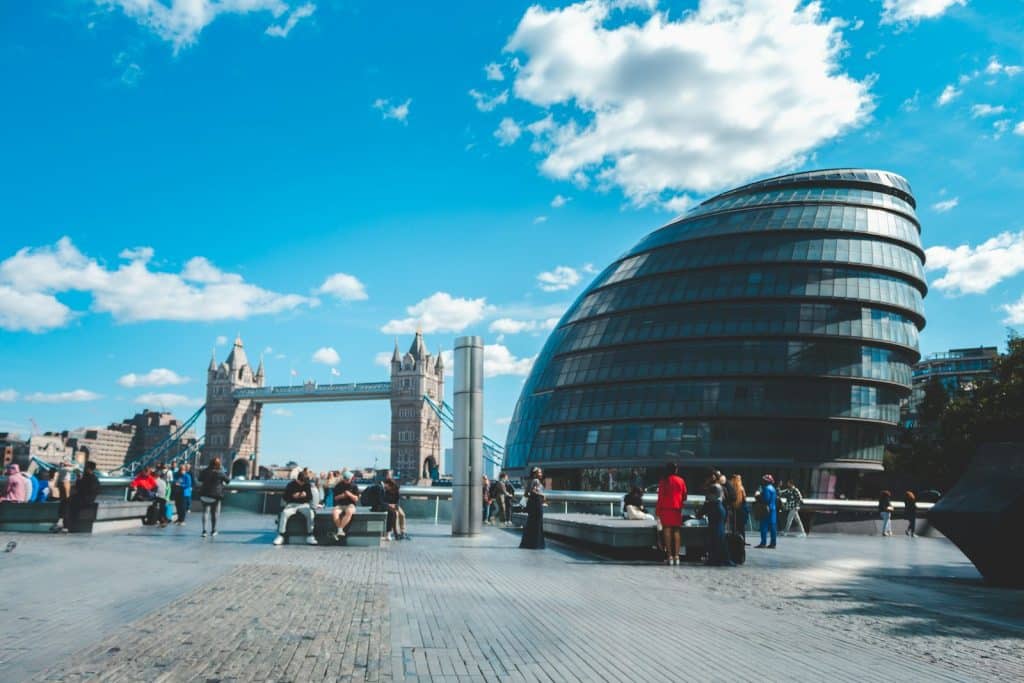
<point x="770" y="522"/>
<point x="182" y="492"/>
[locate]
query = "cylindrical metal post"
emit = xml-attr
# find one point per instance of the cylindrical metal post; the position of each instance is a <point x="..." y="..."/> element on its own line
<point x="468" y="445"/>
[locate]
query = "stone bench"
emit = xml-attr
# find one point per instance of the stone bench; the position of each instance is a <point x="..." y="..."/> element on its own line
<point x="103" y="515"/>
<point x="366" y="529"/>
<point x="616" y="535"/>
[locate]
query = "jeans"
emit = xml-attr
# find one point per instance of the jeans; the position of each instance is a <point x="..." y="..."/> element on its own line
<point x="791" y="516"/>
<point x="182" y="503"/>
<point x="210" y="512"/>
<point x="886" y="523"/>
<point x="770" y="523"/>
<point x="290" y="509"/>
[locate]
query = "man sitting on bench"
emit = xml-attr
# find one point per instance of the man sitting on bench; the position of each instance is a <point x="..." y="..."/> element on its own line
<point x="346" y="497"/>
<point x="298" y="497"/>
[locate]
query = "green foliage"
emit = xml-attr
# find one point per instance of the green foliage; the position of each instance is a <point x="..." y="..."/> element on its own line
<point x="951" y="428"/>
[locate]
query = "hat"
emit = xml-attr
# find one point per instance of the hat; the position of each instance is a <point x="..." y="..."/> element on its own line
<point x="347" y="475"/>
<point x="768" y="478"/>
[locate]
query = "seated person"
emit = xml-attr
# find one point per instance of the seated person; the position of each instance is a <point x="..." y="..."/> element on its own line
<point x="47" y="483"/>
<point x="396" y="515"/>
<point x="17" y="488"/>
<point x="143" y="486"/>
<point x="298" y="498"/>
<point x="346" y="496"/>
<point x="633" y="505"/>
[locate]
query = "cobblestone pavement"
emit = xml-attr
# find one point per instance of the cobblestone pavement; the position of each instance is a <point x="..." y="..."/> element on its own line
<point x="443" y="608"/>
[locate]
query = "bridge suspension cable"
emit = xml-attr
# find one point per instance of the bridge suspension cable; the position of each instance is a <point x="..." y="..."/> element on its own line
<point x="494" y="452"/>
<point x="170" y="444"/>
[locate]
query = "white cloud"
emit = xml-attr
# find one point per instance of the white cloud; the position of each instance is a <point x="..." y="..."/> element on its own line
<point x="561" y="278"/>
<point x="980" y="110"/>
<point x="132" y="292"/>
<point x="344" y="286"/>
<point x="913" y="103"/>
<point x="484" y="103"/>
<point x="75" y="396"/>
<point x="335" y="372"/>
<point x="513" y="326"/>
<point x="131" y="73"/>
<point x="908" y="11"/>
<point x="8" y="395"/>
<point x="503" y="421"/>
<point x="378" y="437"/>
<point x="975" y="270"/>
<point x="1014" y="312"/>
<point x="995" y="67"/>
<point x="382" y="358"/>
<point x="498" y="360"/>
<point x="326" y="355"/>
<point x="281" y="412"/>
<point x="537" y="220"/>
<point x="157" y="377"/>
<point x="559" y="201"/>
<point x="163" y="401"/>
<point x="723" y="93"/>
<point x="440" y="312"/>
<point x="181" y="21"/>
<point x="946" y="205"/>
<point x="1001" y="126"/>
<point x="398" y="112"/>
<point x="508" y="132"/>
<point x="948" y="94"/>
<point x="1017" y="130"/>
<point x="222" y="340"/>
<point x="494" y="72"/>
<point x="297" y="15"/>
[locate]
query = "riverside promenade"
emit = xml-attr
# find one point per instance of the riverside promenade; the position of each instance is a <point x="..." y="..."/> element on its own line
<point x="165" y="605"/>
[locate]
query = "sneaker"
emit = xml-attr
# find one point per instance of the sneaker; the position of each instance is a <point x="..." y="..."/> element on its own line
<point x="55" y="528"/>
<point x="204" y="533"/>
<point x="390" y="536"/>
<point x="771" y="547"/>
<point x="341" y="533"/>
<point x="279" y="540"/>
<point x="213" y="533"/>
<point x="64" y="530"/>
<point x="311" y="541"/>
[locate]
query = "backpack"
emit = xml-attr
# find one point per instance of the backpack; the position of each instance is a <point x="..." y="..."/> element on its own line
<point x="372" y="496"/>
<point x="497" y="490"/>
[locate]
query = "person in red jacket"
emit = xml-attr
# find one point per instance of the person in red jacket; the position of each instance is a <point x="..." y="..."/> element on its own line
<point x="143" y="486"/>
<point x="669" y="511"/>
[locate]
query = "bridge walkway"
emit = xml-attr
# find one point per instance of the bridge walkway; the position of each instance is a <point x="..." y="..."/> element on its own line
<point x="164" y="605"/>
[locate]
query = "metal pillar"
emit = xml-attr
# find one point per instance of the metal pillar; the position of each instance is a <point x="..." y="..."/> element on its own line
<point x="468" y="451"/>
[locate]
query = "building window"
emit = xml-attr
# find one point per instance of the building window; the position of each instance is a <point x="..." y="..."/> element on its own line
<point x="405" y="435"/>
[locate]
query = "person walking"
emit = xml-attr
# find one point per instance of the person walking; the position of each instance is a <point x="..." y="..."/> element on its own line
<point x="669" y="511"/>
<point x="910" y="511"/>
<point x="533" y="531"/>
<point x="182" y="493"/>
<point x="211" y="493"/>
<point x="768" y="497"/>
<point x="885" y="510"/>
<point x="791" y="500"/>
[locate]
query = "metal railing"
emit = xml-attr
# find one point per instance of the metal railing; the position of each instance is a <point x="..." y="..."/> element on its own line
<point x="375" y="389"/>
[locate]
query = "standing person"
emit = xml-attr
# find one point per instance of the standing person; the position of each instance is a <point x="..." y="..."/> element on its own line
<point x="885" y="512"/>
<point x="509" y="498"/>
<point x="669" y="511"/>
<point x="487" y="500"/>
<point x="162" y="494"/>
<point x="182" y="493"/>
<point x="768" y="497"/>
<point x="396" y="515"/>
<point x="738" y="510"/>
<point x="791" y="500"/>
<point x="298" y="499"/>
<point x="211" y="492"/>
<point x="910" y="510"/>
<point x="87" y="488"/>
<point x="714" y="511"/>
<point x="533" y="531"/>
<point x="633" y="505"/>
<point x="346" y="497"/>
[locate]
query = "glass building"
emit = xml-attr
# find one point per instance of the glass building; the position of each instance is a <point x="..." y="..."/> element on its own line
<point x="771" y="329"/>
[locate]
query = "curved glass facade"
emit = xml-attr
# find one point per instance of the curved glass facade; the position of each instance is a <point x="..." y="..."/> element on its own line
<point x="773" y="325"/>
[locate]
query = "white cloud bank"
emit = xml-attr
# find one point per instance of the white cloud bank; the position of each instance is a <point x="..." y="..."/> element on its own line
<point x="74" y="396"/>
<point x="732" y="90"/>
<point x="344" y="287"/>
<point x="910" y="11"/>
<point x="8" y="395"/>
<point x="157" y="377"/>
<point x="975" y="270"/>
<point x="181" y="21"/>
<point x="498" y="361"/>
<point x="327" y="356"/>
<point x="439" y="312"/>
<point x="398" y="112"/>
<point x="131" y="292"/>
<point x="946" y="205"/>
<point x="508" y="132"/>
<point x="559" y="279"/>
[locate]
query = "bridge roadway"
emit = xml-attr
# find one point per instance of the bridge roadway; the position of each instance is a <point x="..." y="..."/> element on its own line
<point x="153" y="604"/>
<point x="310" y="392"/>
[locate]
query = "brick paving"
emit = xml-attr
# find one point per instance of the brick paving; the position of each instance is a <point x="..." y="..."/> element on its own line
<point x="443" y="608"/>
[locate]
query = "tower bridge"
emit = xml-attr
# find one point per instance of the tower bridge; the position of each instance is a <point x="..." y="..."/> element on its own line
<point x="235" y="395"/>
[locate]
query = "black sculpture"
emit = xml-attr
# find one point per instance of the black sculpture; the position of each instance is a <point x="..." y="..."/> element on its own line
<point x="984" y="513"/>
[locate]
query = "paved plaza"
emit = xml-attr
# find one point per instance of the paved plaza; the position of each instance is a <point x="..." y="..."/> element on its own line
<point x="164" y="605"/>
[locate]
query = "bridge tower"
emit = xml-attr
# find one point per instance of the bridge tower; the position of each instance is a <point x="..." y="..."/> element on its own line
<point x="415" y="427"/>
<point x="232" y="426"/>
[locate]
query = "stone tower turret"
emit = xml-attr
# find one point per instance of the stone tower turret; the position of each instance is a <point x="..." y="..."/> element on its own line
<point x="415" y="428"/>
<point x="232" y="426"/>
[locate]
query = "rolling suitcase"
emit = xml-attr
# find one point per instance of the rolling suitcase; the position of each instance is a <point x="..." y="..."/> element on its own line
<point x="736" y="548"/>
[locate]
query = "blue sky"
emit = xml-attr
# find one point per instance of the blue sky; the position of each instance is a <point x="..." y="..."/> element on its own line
<point x="174" y="175"/>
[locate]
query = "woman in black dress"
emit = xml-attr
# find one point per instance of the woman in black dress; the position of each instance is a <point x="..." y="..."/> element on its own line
<point x="533" y="532"/>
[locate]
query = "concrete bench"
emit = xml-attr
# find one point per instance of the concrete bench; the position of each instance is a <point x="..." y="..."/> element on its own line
<point x="616" y="535"/>
<point x="103" y="515"/>
<point x="366" y="529"/>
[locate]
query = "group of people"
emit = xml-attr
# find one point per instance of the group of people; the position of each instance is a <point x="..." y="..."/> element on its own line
<point x="886" y="511"/>
<point x="64" y="485"/>
<point x="338" y="491"/>
<point x="163" y="485"/>
<point x="499" y="500"/>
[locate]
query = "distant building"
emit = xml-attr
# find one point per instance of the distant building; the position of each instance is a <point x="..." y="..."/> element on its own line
<point x="51" y="447"/>
<point x="109" y="448"/>
<point x="13" y="449"/>
<point x="415" y="427"/>
<point x="232" y="425"/>
<point x="151" y="428"/>
<point x="957" y="370"/>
